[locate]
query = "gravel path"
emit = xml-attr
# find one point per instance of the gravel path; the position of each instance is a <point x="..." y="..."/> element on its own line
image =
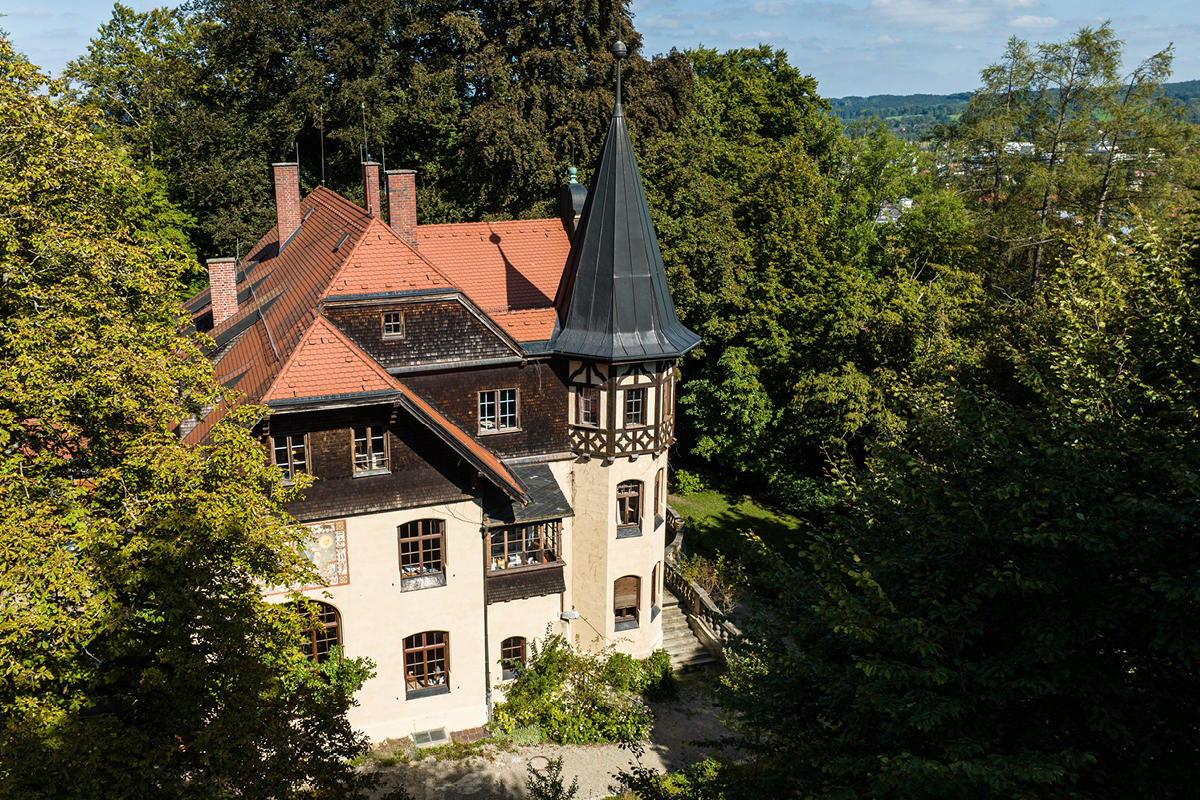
<point x="500" y="775"/>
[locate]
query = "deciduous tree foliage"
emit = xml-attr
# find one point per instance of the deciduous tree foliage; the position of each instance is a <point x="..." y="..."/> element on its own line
<point x="490" y="102"/>
<point x="137" y="657"/>
<point x="1005" y="608"/>
<point x="1057" y="137"/>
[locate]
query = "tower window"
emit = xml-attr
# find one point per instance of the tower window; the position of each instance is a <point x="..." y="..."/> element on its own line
<point x="635" y="407"/>
<point x="629" y="505"/>
<point x="626" y="598"/>
<point x="587" y="405"/>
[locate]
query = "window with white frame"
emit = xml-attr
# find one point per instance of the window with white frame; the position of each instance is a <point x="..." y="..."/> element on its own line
<point x="290" y="454"/>
<point x="498" y="410"/>
<point x="587" y="405"/>
<point x="370" y="449"/>
<point x="635" y="407"/>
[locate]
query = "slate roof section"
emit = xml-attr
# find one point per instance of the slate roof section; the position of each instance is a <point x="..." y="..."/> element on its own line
<point x="546" y="500"/>
<point x="613" y="299"/>
<point x="511" y="269"/>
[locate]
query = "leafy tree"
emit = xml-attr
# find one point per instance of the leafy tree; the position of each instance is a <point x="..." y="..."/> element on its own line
<point x="490" y="102"/>
<point x="1004" y="607"/>
<point x="1056" y="137"/>
<point x="138" y="657"/>
<point x="809" y="308"/>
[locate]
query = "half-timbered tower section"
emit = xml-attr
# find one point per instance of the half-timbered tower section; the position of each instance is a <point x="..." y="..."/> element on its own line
<point x="485" y="410"/>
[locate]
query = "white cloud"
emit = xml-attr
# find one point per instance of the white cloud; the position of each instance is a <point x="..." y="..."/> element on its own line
<point x="1019" y="3"/>
<point x="942" y="15"/>
<point x="28" y="12"/>
<point x="885" y="39"/>
<point x="1030" y="21"/>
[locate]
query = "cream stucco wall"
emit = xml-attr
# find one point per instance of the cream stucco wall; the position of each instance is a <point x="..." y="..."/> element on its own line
<point x="376" y="616"/>
<point x="598" y="557"/>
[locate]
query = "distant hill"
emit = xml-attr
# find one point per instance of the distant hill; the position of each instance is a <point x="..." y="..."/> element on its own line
<point x="913" y="116"/>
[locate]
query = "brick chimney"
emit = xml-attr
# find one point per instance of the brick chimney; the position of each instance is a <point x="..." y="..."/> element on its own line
<point x="287" y="199"/>
<point x="402" y="203"/>
<point x="371" y="187"/>
<point x="222" y="286"/>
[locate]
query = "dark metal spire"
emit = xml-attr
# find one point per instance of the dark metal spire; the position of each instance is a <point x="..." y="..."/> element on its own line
<point x="613" y="300"/>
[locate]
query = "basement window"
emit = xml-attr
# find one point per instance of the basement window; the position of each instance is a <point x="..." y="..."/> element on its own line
<point x="430" y="738"/>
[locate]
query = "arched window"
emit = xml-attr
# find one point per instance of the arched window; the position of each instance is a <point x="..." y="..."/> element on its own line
<point x="425" y="667"/>
<point x="512" y="656"/>
<point x="422" y="544"/>
<point x="629" y="504"/>
<point x="626" y="599"/>
<point x="654" y="584"/>
<point x="324" y="631"/>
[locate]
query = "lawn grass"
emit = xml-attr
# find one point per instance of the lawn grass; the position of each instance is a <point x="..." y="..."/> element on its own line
<point x="714" y="522"/>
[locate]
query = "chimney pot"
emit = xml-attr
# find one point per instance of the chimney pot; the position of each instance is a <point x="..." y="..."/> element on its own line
<point x="371" y="187"/>
<point x="287" y="199"/>
<point x="222" y="288"/>
<point x="402" y="203"/>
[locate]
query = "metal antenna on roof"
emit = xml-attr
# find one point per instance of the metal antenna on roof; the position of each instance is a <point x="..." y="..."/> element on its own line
<point x="321" y="109"/>
<point x="383" y="152"/>
<point x="366" y="150"/>
<point x="619" y="52"/>
<point x="297" y="144"/>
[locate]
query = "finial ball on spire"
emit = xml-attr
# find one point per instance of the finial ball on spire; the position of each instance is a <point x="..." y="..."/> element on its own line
<point x="619" y="51"/>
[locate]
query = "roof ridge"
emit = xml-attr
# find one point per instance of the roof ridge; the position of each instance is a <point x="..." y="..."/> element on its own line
<point x="428" y="225"/>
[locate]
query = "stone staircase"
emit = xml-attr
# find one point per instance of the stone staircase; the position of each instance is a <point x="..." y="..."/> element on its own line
<point x="678" y="639"/>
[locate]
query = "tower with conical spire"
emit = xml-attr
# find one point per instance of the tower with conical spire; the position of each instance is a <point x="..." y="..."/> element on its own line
<point x="621" y="337"/>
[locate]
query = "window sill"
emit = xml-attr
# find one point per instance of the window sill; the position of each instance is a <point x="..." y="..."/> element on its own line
<point x="417" y="582"/>
<point x="499" y="432"/>
<point x="627" y="625"/>
<point x="370" y="473"/>
<point x="428" y="691"/>
<point x="628" y="531"/>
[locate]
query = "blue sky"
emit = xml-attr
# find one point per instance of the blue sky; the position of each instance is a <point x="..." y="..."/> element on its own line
<point x="851" y="47"/>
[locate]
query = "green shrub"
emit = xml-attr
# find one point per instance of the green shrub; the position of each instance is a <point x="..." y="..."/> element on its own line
<point x="720" y="577"/>
<point x="576" y="698"/>
<point x="688" y="483"/>
<point x="659" y="681"/>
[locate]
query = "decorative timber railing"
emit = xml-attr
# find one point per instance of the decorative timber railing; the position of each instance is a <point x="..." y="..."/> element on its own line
<point x="711" y="626"/>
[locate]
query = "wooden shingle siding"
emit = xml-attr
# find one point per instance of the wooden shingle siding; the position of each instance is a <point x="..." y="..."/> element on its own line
<point x="503" y="586"/>
<point x="424" y="470"/>
<point x="542" y="394"/>
<point x="437" y="332"/>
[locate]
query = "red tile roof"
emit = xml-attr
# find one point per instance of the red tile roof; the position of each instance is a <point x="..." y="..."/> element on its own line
<point x="504" y="267"/>
<point x="327" y="364"/>
<point x="383" y="262"/>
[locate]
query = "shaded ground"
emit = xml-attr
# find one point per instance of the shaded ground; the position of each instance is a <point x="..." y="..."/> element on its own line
<point x="497" y="774"/>
<point x="714" y="521"/>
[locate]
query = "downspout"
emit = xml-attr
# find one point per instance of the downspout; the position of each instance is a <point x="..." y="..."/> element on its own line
<point x="487" y="658"/>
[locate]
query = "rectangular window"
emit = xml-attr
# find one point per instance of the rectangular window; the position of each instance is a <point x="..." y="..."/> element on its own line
<point x="525" y="545"/>
<point x="393" y="324"/>
<point x="498" y="410"/>
<point x="421" y="543"/>
<point x="290" y="454"/>
<point x="635" y="407"/>
<point x="587" y="405"/>
<point x="370" y="449"/>
<point x="425" y="665"/>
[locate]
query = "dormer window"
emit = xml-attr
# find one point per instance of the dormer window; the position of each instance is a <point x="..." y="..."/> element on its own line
<point x="498" y="410"/>
<point x="290" y="455"/>
<point x="370" y="450"/>
<point x="393" y="324"/>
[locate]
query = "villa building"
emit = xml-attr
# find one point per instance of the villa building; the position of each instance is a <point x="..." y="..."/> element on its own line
<point x="486" y="411"/>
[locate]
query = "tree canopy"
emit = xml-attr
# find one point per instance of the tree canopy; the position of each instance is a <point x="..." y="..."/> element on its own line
<point x="139" y="657"/>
